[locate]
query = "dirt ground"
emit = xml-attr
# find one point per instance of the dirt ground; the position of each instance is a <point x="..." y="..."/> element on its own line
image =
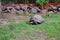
<point x="12" y="18"/>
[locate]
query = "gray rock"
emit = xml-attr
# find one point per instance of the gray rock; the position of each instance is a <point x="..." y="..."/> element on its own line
<point x="20" y="12"/>
<point x="13" y="10"/>
<point x="0" y="9"/>
<point x="51" y="12"/>
<point x="33" y="10"/>
<point x="9" y="9"/>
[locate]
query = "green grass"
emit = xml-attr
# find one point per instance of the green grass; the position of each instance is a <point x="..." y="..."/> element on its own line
<point x="25" y="14"/>
<point x="51" y="26"/>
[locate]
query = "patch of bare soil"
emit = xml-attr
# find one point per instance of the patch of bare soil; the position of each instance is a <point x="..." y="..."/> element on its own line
<point x="36" y="35"/>
<point x="3" y="21"/>
<point x="11" y="17"/>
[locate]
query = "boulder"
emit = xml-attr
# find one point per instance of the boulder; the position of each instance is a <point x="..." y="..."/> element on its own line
<point x="0" y="9"/>
<point x="13" y="10"/>
<point x="20" y="12"/>
<point x="33" y="10"/>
